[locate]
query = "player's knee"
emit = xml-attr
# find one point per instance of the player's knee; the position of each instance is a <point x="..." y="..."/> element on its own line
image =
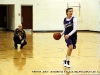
<point x="68" y="54"/>
<point x="70" y="47"/>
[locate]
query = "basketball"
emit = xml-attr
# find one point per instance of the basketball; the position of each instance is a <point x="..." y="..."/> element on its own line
<point x="56" y="35"/>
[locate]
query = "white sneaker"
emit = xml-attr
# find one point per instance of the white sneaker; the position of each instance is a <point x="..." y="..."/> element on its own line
<point x="64" y="63"/>
<point x="68" y="64"/>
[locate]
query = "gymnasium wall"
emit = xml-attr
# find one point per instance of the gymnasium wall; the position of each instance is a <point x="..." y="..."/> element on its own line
<point x="17" y="16"/>
<point x="52" y="12"/>
<point x="48" y="14"/>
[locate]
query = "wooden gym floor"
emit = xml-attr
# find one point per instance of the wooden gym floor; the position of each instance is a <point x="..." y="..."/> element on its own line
<point x="43" y="53"/>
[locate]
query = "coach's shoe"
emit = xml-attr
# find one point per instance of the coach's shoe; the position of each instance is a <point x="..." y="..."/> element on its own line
<point x="64" y="63"/>
<point x="68" y="64"/>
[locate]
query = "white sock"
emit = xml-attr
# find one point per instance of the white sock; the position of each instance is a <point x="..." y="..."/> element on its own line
<point x="67" y="58"/>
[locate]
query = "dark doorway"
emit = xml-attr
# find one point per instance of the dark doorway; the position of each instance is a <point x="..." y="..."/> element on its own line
<point x="3" y="16"/>
<point x="26" y="17"/>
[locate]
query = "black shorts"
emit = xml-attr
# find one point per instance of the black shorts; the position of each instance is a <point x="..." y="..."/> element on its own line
<point x="71" y="41"/>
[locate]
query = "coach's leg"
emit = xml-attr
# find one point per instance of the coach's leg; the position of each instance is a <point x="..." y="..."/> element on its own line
<point x="15" y="39"/>
<point x="23" y="44"/>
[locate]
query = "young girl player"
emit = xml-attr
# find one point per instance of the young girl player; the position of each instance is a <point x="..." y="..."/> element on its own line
<point x="70" y="34"/>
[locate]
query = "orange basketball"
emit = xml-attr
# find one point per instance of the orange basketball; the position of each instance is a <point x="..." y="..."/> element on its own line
<point x="56" y="35"/>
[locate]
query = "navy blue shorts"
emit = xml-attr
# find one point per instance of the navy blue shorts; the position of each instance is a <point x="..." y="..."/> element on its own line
<point x="71" y="41"/>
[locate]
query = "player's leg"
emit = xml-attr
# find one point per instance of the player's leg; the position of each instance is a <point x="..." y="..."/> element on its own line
<point x="69" y="51"/>
<point x="74" y="40"/>
<point x="71" y="45"/>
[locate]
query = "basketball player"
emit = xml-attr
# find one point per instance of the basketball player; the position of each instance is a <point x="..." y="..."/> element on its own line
<point x="70" y="34"/>
<point x="19" y="37"/>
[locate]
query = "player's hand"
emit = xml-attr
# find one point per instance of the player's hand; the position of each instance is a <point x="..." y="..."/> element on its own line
<point x="20" y="37"/>
<point x="67" y="36"/>
<point x="22" y="41"/>
<point x="61" y="34"/>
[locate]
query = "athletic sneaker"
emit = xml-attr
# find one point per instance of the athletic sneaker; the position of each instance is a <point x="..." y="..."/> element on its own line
<point x="66" y="63"/>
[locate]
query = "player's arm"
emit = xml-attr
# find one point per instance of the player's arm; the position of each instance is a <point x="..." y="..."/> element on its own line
<point x="74" y="27"/>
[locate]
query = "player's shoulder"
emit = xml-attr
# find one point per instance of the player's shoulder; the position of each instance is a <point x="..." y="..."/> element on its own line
<point x="65" y="18"/>
<point x="74" y="18"/>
